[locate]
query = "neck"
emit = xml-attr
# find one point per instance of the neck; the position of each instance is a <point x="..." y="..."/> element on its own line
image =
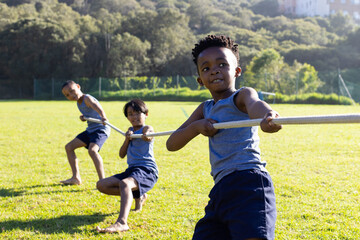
<point x="137" y="127"/>
<point x="81" y="99"/>
<point x="222" y="95"/>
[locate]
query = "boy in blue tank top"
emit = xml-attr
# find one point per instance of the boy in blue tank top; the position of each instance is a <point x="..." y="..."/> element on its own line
<point x="242" y="201"/>
<point x="92" y="138"/>
<point x="142" y="172"/>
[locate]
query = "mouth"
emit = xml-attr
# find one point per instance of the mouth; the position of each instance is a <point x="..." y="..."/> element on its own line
<point x="216" y="80"/>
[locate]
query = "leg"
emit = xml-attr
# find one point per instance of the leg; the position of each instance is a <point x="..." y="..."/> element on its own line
<point x="98" y="162"/>
<point x="139" y="202"/>
<point x="109" y="186"/>
<point x="210" y="228"/>
<point x="73" y="161"/>
<point x="126" y="185"/>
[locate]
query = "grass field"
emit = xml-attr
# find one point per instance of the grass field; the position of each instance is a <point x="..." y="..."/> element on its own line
<point x="314" y="169"/>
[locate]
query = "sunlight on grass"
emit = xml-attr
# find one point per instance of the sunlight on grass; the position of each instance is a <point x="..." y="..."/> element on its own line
<point x="314" y="169"/>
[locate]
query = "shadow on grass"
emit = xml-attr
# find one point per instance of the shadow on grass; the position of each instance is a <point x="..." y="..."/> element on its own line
<point x="10" y="192"/>
<point x="63" y="224"/>
<point x="14" y="192"/>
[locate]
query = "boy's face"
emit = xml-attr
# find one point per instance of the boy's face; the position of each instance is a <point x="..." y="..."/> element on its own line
<point x="72" y="92"/>
<point x="217" y="68"/>
<point x="137" y="119"/>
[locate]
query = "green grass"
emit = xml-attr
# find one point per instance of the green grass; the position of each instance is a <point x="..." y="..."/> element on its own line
<point x="314" y="169"/>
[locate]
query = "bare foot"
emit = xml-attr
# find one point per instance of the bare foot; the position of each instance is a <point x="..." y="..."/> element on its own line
<point x="116" y="227"/>
<point x="71" y="181"/>
<point x="140" y="202"/>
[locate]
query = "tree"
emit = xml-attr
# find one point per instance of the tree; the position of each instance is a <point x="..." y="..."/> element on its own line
<point x="127" y="56"/>
<point x="37" y="49"/>
<point x="341" y="24"/>
<point x="266" y="7"/>
<point x="265" y="65"/>
<point x="268" y="72"/>
<point x="308" y="79"/>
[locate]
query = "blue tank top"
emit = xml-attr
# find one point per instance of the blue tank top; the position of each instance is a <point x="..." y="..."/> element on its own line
<point x="91" y="113"/>
<point x="140" y="153"/>
<point x="233" y="149"/>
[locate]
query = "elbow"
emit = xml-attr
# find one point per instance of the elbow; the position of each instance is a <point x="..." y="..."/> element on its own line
<point x="170" y="147"/>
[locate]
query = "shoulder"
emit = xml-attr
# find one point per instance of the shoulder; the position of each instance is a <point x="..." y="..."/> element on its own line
<point x="246" y="93"/>
<point x="244" y="96"/>
<point x="199" y="111"/>
<point x="88" y="99"/>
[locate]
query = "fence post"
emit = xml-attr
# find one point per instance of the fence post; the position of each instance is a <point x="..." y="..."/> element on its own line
<point x="154" y="86"/>
<point x="99" y="86"/>
<point x="125" y="85"/>
<point x="34" y="88"/>
<point x="177" y="84"/>
<point x="52" y="88"/>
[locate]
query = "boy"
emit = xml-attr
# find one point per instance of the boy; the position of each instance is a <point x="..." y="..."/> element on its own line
<point x="142" y="172"/>
<point x="92" y="138"/>
<point x="242" y="201"/>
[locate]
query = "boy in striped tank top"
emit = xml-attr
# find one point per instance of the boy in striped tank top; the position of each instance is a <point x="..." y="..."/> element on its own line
<point x="142" y="172"/>
<point x="242" y="201"/>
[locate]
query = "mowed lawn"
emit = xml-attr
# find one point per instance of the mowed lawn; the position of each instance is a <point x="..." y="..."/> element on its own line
<point x="315" y="169"/>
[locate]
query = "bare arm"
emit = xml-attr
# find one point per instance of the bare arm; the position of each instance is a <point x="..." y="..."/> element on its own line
<point x="248" y="101"/>
<point x="192" y="127"/>
<point x="124" y="147"/>
<point x="90" y="102"/>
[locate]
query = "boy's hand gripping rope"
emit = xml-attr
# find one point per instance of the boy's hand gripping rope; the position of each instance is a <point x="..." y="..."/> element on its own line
<point x="324" y="119"/>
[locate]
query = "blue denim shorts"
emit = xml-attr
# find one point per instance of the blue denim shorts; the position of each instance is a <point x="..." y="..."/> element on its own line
<point x="98" y="137"/>
<point x="241" y="206"/>
<point x="146" y="179"/>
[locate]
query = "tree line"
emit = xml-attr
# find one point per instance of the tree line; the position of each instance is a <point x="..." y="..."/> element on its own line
<point x="120" y="38"/>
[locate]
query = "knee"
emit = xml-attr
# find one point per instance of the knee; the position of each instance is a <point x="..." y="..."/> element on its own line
<point x="123" y="184"/>
<point x="68" y="148"/>
<point x="100" y="186"/>
<point x="93" y="150"/>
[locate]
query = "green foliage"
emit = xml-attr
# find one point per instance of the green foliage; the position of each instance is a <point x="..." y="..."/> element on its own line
<point x="114" y="38"/>
<point x="268" y="72"/>
<point x="313" y="98"/>
<point x="158" y="94"/>
<point x="266" y="7"/>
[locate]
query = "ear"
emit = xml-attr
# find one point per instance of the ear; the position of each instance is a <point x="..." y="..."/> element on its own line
<point x="78" y="86"/>
<point x="238" y="72"/>
<point x="200" y="81"/>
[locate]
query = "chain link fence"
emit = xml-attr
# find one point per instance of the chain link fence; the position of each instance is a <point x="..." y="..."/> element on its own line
<point x="103" y="87"/>
<point x="342" y="83"/>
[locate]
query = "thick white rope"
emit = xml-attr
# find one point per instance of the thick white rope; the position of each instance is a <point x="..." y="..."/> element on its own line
<point x="325" y="119"/>
<point x="107" y="123"/>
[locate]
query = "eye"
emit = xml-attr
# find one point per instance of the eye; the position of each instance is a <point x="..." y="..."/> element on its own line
<point x="222" y="64"/>
<point x="205" y="69"/>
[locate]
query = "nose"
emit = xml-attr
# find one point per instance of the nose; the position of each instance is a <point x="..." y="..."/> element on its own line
<point x="215" y="71"/>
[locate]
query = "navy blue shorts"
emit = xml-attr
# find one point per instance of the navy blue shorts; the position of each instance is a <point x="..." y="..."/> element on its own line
<point x="241" y="206"/>
<point x="146" y="179"/>
<point x="98" y="137"/>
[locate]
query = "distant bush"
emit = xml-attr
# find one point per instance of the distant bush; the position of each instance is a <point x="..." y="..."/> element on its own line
<point x="159" y="94"/>
<point x="313" y="98"/>
<point x="187" y="94"/>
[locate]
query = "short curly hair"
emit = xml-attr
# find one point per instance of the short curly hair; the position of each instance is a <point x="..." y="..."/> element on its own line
<point x="215" y="41"/>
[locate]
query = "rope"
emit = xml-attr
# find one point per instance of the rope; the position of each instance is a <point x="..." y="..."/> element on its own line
<point x="324" y="119"/>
